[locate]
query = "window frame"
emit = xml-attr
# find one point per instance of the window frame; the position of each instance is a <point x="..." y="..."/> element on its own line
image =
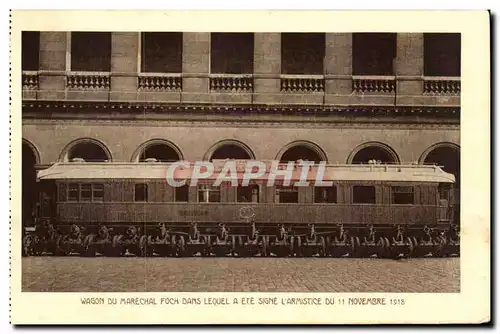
<point x="279" y="189"/>
<point x="209" y="189"/>
<point x="72" y="53"/>
<point x="79" y="190"/>
<point x="335" y="191"/>
<point x="26" y="61"/>
<point x="359" y="57"/>
<point x="186" y="186"/>
<point x="68" y="190"/>
<point x="145" y="192"/>
<point x="364" y="186"/>
<point x="247" y="62"/>
<point x="143" y="59"/>
<point x="427" y="59"/>
<point x="252" y="187"/>
<point x="94" y="186"/>
<point x="289" y="70"/>
<point x="392" y="192"/>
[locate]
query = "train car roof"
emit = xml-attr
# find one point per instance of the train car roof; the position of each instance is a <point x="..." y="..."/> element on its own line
<point x="158" y="170"/>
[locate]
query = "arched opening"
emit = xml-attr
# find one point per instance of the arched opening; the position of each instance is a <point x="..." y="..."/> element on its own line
<point x="302" y="151"/>
<point x="29" y="185"/>
<point x="230" y="150"/>
<point x="160" y="149"/>
<point x="373" y="151"/>
<point x="161" y="152"/>
<point x="446" y="156"/>
<point x="89" y="150"/>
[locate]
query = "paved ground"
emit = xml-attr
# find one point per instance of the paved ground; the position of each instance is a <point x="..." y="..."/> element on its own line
<point x="74" y="274"/>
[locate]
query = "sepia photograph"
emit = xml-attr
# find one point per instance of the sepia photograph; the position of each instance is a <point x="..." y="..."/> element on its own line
<point x="233" y="161"/>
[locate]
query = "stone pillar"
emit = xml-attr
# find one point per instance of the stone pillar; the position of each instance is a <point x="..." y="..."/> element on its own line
<point x="338" y="68"/>
<point x="51" y="80"/>
<point x="195" y="67"/>
<point x="124" y="65"/>
<point x="267" y="68"/>
<point x="409" y="66"/>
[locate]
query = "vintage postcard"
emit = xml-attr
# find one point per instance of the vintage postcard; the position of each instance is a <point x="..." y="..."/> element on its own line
<point x="250" y="167"/>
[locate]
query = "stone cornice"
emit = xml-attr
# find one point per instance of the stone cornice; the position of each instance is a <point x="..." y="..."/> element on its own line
<point x="237" y="113"/>
<point x="148" y="106"/>
<point x="248" y="124"/>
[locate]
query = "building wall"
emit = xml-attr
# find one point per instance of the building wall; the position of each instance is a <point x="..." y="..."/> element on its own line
<point x="338" y="141"/>
<point x="196" y="84"/>
<point x="56" y="83"/>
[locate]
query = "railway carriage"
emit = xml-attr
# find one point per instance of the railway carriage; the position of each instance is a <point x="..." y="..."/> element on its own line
<point x="116" y="208"/>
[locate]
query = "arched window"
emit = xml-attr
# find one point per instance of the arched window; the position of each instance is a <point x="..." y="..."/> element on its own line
<point x="302" y="150"/>
<point x="373" y="151"/>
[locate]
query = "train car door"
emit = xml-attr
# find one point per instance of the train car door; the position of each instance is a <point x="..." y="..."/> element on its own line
<point x="445" y="202"/>
<point x="48" y="195"/>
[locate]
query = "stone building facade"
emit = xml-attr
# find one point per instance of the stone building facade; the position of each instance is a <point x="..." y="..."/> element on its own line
<point x="339" y="97"/>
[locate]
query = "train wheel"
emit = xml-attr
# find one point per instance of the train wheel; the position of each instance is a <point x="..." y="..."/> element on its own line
<point x="116" y="247"/>
<point x="181" y="250"/>
<point x="91" y="250"/>
<point x="265" y="246"/>
<point x="381" y="248"/>
<point x="88" y="249"/>
<point x="359" y="249"/>
<point x="388" y="247"/>
<point x="233" y="246"/>
<point x="203" y="246"/>
<point x="455" y="248"/>
<point x="353" y="247"/>
<point x="151" y="246"/>
<point x="440" y="247"/>
<point x="27" y="245"/>
<point x="174" y="247"/>
<point x="62" y="246"/>
<point x="143" y="246"/>
<point x="291" y="246"/>
<point x="299" y="251"/>
<point x="109" y="250"/>
<point x="415" y="246"/>
<point x="328" y="251"/>
<point x="419" y="250"/>
<point x="241" y="251"/>
<point x="322" y="247"/>
<point x="58" y="246"/>
<point x="411" y="246"/>
<point x="38" y="246"/>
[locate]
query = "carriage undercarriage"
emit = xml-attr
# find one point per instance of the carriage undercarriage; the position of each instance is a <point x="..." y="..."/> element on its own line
<point x="341" y="241"/>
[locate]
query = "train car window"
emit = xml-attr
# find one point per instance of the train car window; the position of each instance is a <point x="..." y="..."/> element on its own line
<point x="325" y="194"/>
<point x="444" y="191"/>
<point x="208" y="194"/>
<point x="363" y="194"/>
<point x="182" y="194"/>
<point x="73" y="192"/>
<point x="86" y="192"/>
<point x="249" y="194"/>
<point x="141" y="192"/>
<point x="287" y="195"/>
<point x="446" y="194"/>
<point x="402" y="195"/>
<point x="98" y="193"/>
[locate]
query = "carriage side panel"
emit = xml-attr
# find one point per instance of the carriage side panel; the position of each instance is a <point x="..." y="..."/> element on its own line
<point x="61" y="191"/>
<point x="182" y="213"/>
